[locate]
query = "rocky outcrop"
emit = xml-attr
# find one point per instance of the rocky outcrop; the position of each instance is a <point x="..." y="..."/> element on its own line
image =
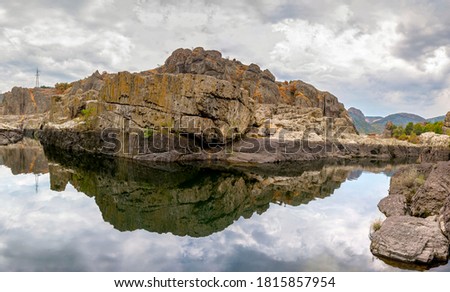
<point x="189" y="107"/>
<point x="432" y="195"/>
<point x="434" y="140"/>
<point x="438" y="147"/>
<point x="200" y="94"/>
<point x="410" y="240"/>
<point x="198" y="106"/>
<point x="416" y="230"/>
<point x="26" y="101"/>
<point x="13" y="128"/>
<point x="444" y="218"/>
<point x="404" y="185"/>
<point x="261" y="84"/>
<point x="185" y="103"/>
<point x="446" y="127"/>
<point x="23" y="112"/>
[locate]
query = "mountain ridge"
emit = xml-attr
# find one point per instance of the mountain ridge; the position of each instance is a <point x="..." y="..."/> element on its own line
<point x="375" y="124"/>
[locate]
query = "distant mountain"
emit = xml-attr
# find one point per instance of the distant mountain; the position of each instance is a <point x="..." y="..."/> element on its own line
<point x="400" y="119"/>
<point x="376" y="124"/>
<point x="1" y="97"/>
<point x="436" y="119"/>
<point x="360" y="122"/>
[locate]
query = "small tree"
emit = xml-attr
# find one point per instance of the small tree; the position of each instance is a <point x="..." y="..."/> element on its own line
<point x="418" y="128"/>
<point x="398" y="131"/>
<point x="409" y="128"/>
<point x="438" y="127"/>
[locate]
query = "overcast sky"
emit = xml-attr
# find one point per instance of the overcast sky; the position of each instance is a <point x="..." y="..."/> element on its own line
<point x="380" y="56"/>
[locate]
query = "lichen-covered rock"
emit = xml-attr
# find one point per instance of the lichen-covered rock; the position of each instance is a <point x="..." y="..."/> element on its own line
<point x="185" y="103"/>
<point x="411" y="240"/>
<point x="261" y="84"/>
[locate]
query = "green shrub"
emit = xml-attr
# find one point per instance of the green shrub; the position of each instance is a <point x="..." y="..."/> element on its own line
<point x="87" y="112"/>
<point x="413" y="138"/>
<point x="408" y="178"/>
<point x="148" y="132"/>
<point x="409" y="128"/>
<point x="403" y="137"/>
<point x="376" y="225"/>
<point x="87" y="115"/>
<point x="63" y="86"/>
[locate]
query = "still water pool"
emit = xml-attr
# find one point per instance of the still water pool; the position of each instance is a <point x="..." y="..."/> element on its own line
<point x="61" y="212"/>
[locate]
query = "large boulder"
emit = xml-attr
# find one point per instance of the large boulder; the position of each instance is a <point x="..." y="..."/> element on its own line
<point x="417" y="229"/>
<point x="411" y="240"/>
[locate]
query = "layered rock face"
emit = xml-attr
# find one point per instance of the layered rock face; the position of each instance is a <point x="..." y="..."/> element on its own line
<point x="197" y="92"/>
<point x="418" y="210"/>
<point x="191" y="104"/>
<point x="26" y="101"/>
<point x="23" y="110"/>
<point x="198" y="106"/>
<point x="261" y="85"/>
<point x="410" y="239"/>
<point x="194" y="102"/>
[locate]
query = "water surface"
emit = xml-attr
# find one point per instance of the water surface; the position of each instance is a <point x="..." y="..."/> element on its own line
<point x="61" y="212"/>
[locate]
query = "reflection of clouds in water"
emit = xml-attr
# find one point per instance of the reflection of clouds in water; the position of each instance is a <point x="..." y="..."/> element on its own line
<point x="52" y="231"/>
<point x="327" y="234"/>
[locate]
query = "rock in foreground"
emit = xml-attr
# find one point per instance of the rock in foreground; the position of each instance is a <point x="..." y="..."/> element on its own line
<point x="411" y="240"/>
<point x="418" y="211"/>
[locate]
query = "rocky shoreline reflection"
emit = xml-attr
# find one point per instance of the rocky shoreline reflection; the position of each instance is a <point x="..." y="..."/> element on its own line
<point x="194" y="199"/>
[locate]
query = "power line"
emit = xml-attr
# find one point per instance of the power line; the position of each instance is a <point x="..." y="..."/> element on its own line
<point x="37" y="77"/>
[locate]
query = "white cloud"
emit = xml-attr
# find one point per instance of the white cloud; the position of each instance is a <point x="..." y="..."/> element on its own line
<point x="357" y="50"/>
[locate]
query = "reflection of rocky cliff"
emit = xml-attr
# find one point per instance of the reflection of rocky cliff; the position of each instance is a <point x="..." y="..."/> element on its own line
<point x="195" y="200"/>
<point x="24" y="157"/>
